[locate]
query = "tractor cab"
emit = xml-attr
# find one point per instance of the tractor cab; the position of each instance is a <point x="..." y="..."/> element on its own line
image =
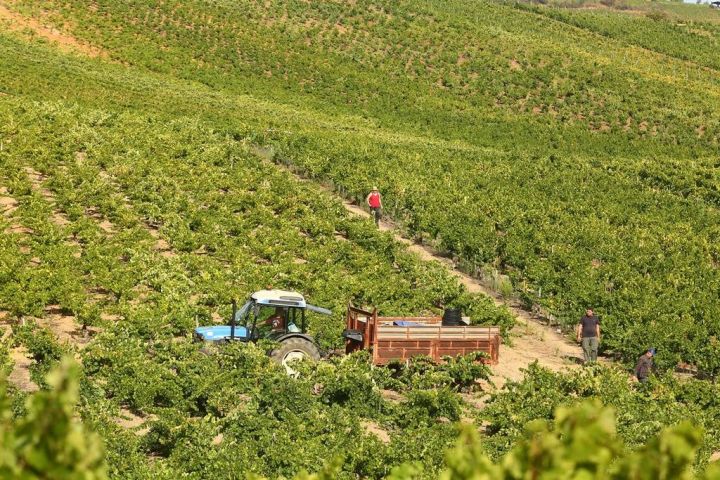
<point x="273" y="314"/>
<point x="277" y="315"/>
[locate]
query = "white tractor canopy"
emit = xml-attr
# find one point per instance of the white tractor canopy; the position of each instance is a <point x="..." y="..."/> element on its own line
<point x="244" y="323"/>
<point x="279" y="298"/>
<point x="285" y="298"/>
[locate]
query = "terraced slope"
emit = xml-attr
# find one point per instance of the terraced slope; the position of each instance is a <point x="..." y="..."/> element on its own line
<point x="435" y="67"/>
<point x="133" y="205"/>
<point x="567" y="149"/>
<point x="126" y="231"/>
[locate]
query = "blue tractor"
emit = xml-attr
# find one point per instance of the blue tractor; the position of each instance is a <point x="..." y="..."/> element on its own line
<point x="277" y="315"/>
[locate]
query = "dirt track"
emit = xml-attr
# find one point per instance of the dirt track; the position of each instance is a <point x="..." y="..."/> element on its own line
<point x="531" y="340"/>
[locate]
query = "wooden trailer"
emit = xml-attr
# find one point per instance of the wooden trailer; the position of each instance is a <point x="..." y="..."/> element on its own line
<point x="399" y="338"/>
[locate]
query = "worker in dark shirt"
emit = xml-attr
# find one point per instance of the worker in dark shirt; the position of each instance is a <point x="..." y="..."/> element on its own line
<point x="588" y="334"/>
<point x="644" y="365"/>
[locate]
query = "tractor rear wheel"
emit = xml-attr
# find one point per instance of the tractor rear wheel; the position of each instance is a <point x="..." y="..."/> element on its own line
<point x="294" y="349"/>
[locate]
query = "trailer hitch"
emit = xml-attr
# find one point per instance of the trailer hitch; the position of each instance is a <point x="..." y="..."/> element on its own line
<point x="353" y="335"/>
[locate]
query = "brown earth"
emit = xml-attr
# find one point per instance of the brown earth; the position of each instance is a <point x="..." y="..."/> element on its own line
<point x="131" y="421"/>
<point x="16" y="22"/>
<point x="36" y="182"/>
<point x="102" y="222"/>
<point x="20" y="375"/>
<point x="19" y="229"/>
<point x="372" y="428"/>
<point x="64" y="327"/>
<point x="7" y="203"/>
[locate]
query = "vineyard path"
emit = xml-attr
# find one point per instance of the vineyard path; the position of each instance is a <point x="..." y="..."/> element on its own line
<point x="530" y="340"/>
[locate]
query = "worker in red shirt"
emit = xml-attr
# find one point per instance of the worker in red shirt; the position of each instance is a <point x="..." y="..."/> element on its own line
<point x="374" y="201"/>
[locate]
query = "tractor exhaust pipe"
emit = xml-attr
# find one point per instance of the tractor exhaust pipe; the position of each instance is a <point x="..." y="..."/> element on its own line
<point x="232" y="320"/>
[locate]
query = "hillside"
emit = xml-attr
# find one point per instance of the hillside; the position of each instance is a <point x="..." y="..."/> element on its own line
<point x="566" y="148"/>
<point x="147" y="152"/>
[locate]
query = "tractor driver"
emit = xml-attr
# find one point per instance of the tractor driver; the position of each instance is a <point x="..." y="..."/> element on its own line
<point x="277" y="320"/>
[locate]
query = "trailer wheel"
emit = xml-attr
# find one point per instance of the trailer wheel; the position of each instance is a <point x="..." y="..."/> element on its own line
<point x="294" y="349"/>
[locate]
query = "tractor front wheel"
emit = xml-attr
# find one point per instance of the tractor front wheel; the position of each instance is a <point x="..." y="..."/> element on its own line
<point x="294" y="349"/>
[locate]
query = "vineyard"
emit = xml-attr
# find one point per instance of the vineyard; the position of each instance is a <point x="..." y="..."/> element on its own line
<point x="542" y="146"/>
<point x="150" y="171"/>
